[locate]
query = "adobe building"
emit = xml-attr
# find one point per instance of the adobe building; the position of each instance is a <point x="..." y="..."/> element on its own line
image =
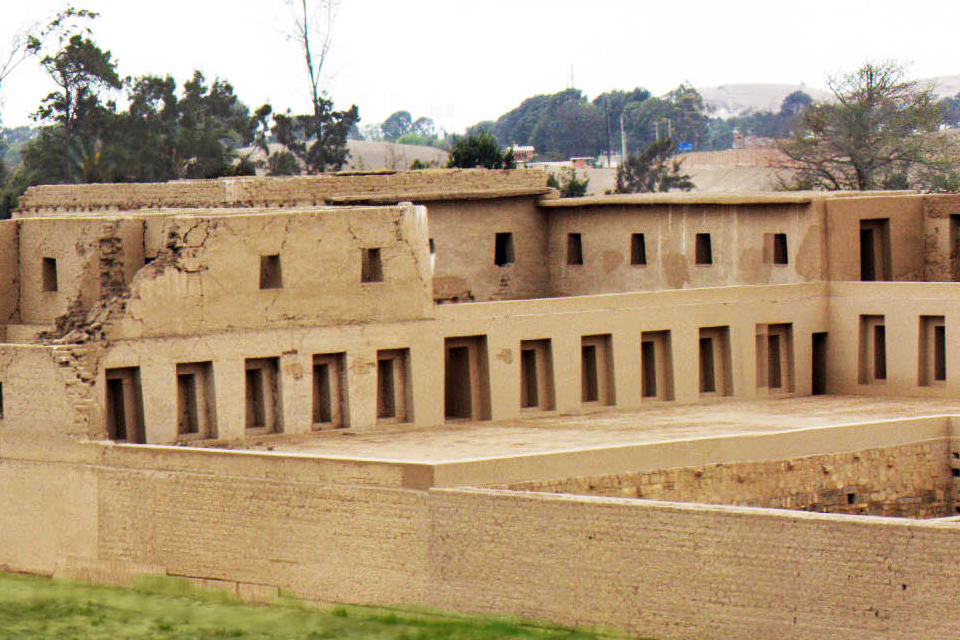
<point x="686" y="416"/>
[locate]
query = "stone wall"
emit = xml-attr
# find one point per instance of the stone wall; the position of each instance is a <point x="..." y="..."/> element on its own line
<point x="278" y="192"/>
<point x="911" y="481"/>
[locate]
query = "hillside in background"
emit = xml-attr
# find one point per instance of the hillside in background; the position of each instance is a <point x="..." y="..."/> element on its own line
<point x="730" y="100"/>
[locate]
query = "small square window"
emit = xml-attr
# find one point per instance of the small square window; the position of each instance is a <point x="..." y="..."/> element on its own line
<point x="271" y="276"/>
<point x="371" y="269"/>
<point x="50" y="274"/>
<point x="638" y="249"/>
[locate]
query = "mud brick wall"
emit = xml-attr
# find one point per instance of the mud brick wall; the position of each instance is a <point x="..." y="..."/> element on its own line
<point x="297" y="190"/>
<point x="910" y="481"/>
<point x="322" y="542"/>
<point x="690" y="572"/>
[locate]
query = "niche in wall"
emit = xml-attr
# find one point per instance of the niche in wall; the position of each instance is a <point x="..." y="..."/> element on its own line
<point x="196" y="406"/>
<point x="124" y="405"/>
<point x="656" y="360"/>
<point x="716" y="371"/>
<point x="393" y="386"/>
<point x="329" y="390"/>
<point x="596" y="370"/>
<point x="466" y="379"/>
<point x="262" y="385"/>
<point x="873" y="349"/>
<point x="536" y="375"/>
<point x="932" y="351"/>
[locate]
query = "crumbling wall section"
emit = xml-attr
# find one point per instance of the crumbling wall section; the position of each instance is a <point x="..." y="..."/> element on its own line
<point x="212" y="266"/>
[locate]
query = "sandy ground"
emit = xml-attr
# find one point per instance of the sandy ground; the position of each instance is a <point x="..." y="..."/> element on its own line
<point x="471" y="440"/>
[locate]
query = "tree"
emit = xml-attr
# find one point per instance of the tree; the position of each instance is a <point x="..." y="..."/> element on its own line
<point x="568" y="184"/>
<point x="320" y="138"/>
<point x="480" y="151"/>
<point x="652" y="170"/>
<point x="396" y="125"/>
<point x="878" y="131"/>
<point x="81" y="70"/>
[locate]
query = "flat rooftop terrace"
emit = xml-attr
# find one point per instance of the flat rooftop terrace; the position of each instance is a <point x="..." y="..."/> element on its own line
<point x="662" y="423"/>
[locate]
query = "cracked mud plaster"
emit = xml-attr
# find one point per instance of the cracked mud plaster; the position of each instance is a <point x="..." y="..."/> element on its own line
<point x="80" y="325"/>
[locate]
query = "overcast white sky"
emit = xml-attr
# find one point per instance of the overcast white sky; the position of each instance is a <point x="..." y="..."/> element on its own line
<point x="461" y="62"/>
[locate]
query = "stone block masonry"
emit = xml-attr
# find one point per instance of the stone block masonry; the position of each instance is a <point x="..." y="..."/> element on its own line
<point x="912" y="481"/>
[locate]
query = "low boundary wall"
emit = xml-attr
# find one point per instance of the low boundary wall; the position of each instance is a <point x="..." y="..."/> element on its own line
<point x="665" y="570"/>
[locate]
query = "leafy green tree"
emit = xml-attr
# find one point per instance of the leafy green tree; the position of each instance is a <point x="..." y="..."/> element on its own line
<point x="569" y="184"/>
<point x="81" y="71"/>
<point x="424" y="127"/>
<point x="653" y="170"/>
<point x="283" y="163"/>
<point x="318" y="149"/>
<point x="396" y="125"/>
<point x="878" y="131"/>
<point x="480" y="151"/>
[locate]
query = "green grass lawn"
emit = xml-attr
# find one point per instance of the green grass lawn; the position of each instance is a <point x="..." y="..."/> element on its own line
<point x="32" y="607"/>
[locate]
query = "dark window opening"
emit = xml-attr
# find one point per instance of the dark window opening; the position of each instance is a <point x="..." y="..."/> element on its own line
<point x="371" y="269"/>
<point x="116" y="411"/>
<point x="880" y="352"/>
<point x="270" y="273"/>
<point x="386" y="394"/>
<point x="458" y="385"/>
<point x="868" y="261"/>
<point x="780" y="248"/>
<point x="851" y="498"/>
<point x="819" y="365"/>
<point x="50" y="282"/>
<point x="708" y="379"/>
<point x="528" y="373"/>
<point x="503" y="253"/>
<point x="433" y="246"/>
<point x="649" y="366"/>
<point x="704" y="252"/>
<point x="1" y="401"/>
<point x="590" y="384"/>
<point x="574" y="248"/>
<point x="638" y="249"/>
<point x="939" y="353"/>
